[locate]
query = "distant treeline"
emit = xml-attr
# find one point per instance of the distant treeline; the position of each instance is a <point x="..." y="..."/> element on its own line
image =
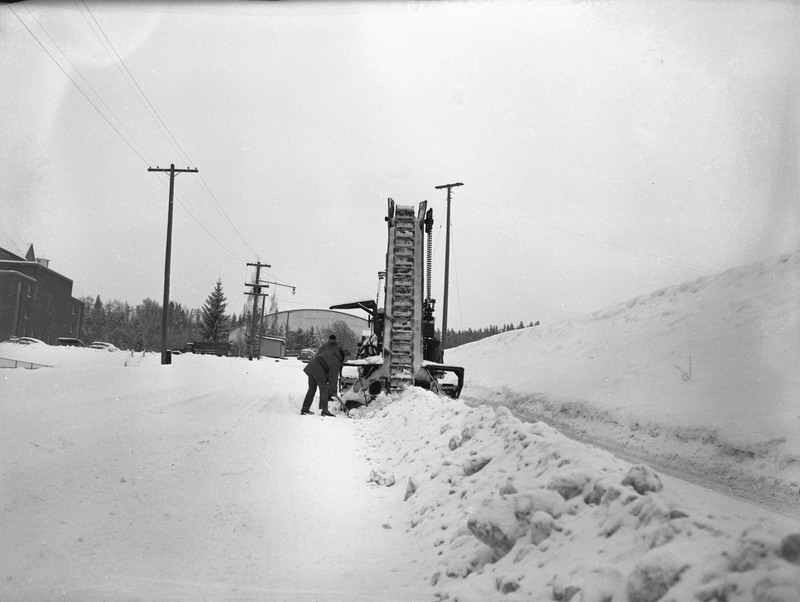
<point x="139" y="327"/>
<point x="134" y="327"/>
<point x="462" y="337"/>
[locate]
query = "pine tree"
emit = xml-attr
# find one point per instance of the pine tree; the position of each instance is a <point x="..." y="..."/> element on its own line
<point x="271" y="319"/>
<point x="346" y="337"/>
<point x="273" y="304"/>
<point x="94" y="325"/>
<point x="313" y="338"/>
<point x="214" y="321"/>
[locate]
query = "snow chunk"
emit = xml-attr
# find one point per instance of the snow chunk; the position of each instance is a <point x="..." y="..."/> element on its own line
<point x="475" y="464"/>
<point x="508" y="487"/>
<point x="506" y="585"/>
<point x="643" y="479"/>
<point x="570" y="484"/>
<point x="778" y="586"/>
<point x="539" y="499"/>
<point x="790" y="548"/>
<point x="563" y="591"/>
<point x="601" y="584"/>
<point x="655" y="574"/>
<point x="495" y="524"/>
<point x="596" y="493"/>
<point x="756" y="545"/>
<point x="542" y="525"/>
<point x="381" y="477"/>
<point x="411" y="488"/>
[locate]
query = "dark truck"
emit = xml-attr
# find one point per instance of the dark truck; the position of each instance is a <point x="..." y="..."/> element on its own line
<point x="209" y="348"/>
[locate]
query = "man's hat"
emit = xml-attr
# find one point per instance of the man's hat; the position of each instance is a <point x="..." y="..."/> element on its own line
<point x="332" y="337"/>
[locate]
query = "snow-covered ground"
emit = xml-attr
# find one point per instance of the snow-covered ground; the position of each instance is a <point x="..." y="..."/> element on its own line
<point x="701" y="378"/>
<point x="122" y="479"/>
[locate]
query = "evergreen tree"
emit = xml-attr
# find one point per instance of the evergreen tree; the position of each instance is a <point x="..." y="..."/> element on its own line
<point x="296" y="339"/>
<point x="138" y="327"/>
<point x="213" y="320"/>
<point x="143" y="323"/>
<point x="346" y="337"/>
<point x="270" y="320"/>
<point x="94" y="323"/>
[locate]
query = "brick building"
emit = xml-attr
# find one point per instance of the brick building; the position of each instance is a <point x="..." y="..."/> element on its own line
<point x="36" y="301"/>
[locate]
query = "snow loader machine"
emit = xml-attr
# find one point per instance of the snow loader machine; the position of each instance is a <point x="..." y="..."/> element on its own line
<point x="400" y="348"/>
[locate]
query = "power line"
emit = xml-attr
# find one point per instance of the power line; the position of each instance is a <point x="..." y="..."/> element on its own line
<point x="171" y="138"/>
<point x="143" y="155"/>
<point x="77" y="87"/>
<point x="455" y="276"/>
<point x="100" y="112"/>
<point x="85" y="81"/>
<point x="140" y="95"/>
<point x="207" y="231"/>
<point x="235" y="229"/>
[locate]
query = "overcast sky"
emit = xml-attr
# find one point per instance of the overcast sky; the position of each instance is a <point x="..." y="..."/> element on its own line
<point x="607" y="149"/>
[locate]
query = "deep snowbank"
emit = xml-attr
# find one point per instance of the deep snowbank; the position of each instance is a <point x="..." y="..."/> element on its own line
<point x="699" y="378"/>
<point x="509" y="510"/>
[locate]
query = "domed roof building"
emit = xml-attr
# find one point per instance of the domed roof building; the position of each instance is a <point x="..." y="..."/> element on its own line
<point x="321" y="320"/>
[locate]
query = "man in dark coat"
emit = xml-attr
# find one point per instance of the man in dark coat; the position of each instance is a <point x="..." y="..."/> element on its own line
<point x="325" y="365"/>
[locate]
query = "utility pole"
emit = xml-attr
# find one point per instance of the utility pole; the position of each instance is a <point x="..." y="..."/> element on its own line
<point x="256" y="293"/>
<point x="165" y="356"/>
<point x="446" y="265"/>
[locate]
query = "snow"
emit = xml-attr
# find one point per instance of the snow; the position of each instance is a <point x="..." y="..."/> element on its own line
<point x="700" y="377"/>
<point x="122" y="479"/>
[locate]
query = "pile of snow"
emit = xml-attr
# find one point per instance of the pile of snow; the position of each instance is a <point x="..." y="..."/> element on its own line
<point x="507" y="510"/>
<point x="41" y="355"/>
<point x="700" y="379"/>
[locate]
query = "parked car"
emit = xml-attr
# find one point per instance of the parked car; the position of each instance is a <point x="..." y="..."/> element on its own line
<point x="218" y="348"/>
<point x="30" y="341"/>
<point x="103" y="345"/>
<point x="70" y="342"/>
<point x="306" y="355"/>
